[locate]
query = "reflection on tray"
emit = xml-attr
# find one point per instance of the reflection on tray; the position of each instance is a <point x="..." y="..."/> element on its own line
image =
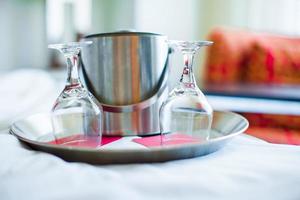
<point x="149" y="141"/>
<point x="167" y="140"/>
<point x="84" y="141"/>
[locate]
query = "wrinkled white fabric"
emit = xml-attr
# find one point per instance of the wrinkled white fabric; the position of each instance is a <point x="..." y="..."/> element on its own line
<point x="245" y="168"/>
<point x="24" y="92"/>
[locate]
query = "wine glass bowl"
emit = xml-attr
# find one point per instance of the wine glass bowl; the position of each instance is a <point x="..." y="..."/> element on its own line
<point x="186" y="110"/>
<point x="76" y="114"/>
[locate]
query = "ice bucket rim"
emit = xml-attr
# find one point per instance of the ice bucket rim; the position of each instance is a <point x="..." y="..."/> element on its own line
<point x="124" y="33"/>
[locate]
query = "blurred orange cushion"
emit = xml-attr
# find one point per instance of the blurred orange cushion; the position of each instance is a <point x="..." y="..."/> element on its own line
<point x="272" y="120"/>
<point x="274" y="59"/>
<point x="226" y="58"/>
<point x="280" y="129"/>
<point x="244" y="56"/>
<point x="276" y="135"/>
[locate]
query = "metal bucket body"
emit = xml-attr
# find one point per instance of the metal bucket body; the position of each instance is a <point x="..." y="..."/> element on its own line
<point x="127" y="72"/>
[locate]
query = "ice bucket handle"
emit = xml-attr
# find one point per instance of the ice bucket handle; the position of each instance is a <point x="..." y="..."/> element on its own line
<point x="143" y="104"/>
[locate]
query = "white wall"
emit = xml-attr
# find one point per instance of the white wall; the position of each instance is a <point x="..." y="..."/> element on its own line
<point x="112" y="15"/>
<point x="22" y="34"/>
<point x="178" y="20"/>
<point x="277" y="16"/>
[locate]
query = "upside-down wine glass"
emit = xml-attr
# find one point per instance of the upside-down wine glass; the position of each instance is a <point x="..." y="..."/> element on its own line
<point x="76" y="114"/>
<point x="186" y="115"/>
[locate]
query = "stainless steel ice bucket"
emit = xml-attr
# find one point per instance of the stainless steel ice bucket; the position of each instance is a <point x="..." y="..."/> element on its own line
<point x="127" y="72"/>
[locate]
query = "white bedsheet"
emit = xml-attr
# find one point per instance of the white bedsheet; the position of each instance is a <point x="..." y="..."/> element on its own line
<point x="244" y="169"/>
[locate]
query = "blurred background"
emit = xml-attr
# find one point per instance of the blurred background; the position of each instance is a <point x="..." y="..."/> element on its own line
<point x="28" y="26"/>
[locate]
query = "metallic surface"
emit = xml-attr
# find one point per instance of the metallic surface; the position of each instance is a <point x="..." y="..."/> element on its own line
<point x="127" y="73"/>
<point x="32" y="128"/>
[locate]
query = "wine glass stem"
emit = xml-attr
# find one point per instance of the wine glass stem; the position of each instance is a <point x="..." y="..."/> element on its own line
<point x="187" y="76"/>
<point x="72" y="65"/>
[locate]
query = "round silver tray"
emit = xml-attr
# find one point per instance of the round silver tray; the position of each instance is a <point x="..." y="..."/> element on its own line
<point x="226" y="125"/>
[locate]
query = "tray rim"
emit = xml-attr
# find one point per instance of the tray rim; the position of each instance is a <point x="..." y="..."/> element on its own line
<point x="14" y="132"/>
